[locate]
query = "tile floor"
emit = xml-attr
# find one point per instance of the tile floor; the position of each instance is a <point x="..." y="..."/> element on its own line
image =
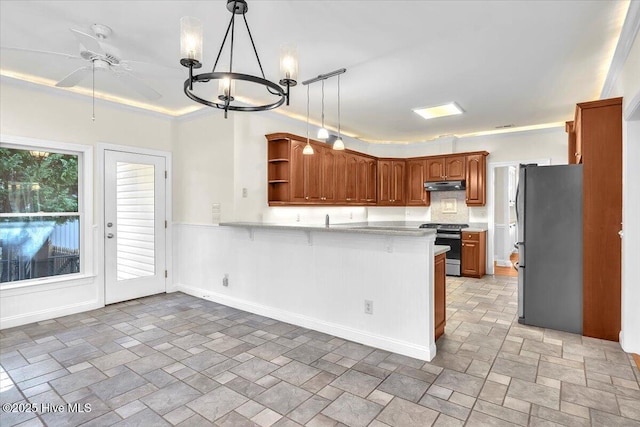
<point x="178" y="360"/>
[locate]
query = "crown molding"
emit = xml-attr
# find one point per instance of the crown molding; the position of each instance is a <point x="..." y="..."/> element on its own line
<point x="627" y="37"/>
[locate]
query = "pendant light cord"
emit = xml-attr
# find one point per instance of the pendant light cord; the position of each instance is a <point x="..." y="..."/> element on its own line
<point x="338" y="106"/>
<point x="307" y="114"/>
<point x="322" y="103"/>
<point x="93" y="91"/>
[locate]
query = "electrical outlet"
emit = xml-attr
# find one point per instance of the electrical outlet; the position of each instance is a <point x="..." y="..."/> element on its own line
<point x="245" y="192"/>
<point x="297" y="217"/>
<point x="350" y="215"/>
<point x="368" y="306"/>
<point x="225" y="280"/>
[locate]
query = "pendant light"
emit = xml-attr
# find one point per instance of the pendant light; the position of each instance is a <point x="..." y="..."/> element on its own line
<point x="323" y="133"/>
<point x="338" y="144"/>
<point x="308" y="149"/>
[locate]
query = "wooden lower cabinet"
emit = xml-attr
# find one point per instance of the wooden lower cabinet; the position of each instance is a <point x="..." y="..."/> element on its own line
<point x="439" y="295"/>
<point x="474" y="253"/>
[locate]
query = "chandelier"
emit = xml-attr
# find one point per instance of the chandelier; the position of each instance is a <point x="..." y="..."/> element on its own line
<point x="191" y="52"/>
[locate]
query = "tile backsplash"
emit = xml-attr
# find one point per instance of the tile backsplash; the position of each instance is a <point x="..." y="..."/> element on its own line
<point x="449" y="206"/>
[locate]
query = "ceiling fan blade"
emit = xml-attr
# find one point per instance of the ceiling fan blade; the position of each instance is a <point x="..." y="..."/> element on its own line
<point x="156" y="70"/>
<point x="138" y="85"/>
<point x="88" y="41"/>
<point x="75" y="77"/>
<point x="46" y="52"/>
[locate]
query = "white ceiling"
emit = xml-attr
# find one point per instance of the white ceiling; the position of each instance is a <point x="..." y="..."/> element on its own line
<point x="514" y="63"/>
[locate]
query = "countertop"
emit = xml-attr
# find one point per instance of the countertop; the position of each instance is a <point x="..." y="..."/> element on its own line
<point x="440" y="249"/>
<point x="386" y="228"/>
<point x="477" y="227"/>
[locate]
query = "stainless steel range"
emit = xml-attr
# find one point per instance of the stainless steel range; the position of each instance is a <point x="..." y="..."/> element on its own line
<point x="450" y="235"/>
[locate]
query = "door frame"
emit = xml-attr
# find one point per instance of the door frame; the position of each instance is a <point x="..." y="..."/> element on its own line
<point x="491" y="183"/>
<point x="99" y="228"/>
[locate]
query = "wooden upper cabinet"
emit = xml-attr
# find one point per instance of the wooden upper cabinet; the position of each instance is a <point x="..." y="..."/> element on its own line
<point x="448" y="168"/>
<point x="398" y="185"/>
<point x="313" y="175"/>
<point x="352" y="178"/>
<point x="435" y="169"/>
<point x="297" y="179"/>
<point x="372" y="187"/>
<point x="416" y="177"/>
<point x="391" y="182"/>
<point x="366" y="181"/>
<point x="455" y="168"/>
<point x="328" y="169"/>
<point x="476" y="192"/>
<point x="571" y="146"/>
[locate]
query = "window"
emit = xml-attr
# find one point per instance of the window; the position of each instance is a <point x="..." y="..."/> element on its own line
<point x="41" y="224"/>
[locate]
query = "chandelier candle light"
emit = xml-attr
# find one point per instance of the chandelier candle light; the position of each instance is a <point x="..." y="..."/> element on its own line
<point x="191" y="51"/>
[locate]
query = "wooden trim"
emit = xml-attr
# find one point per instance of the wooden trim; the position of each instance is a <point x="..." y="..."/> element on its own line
<point x="466" y="153"/>
<point x="599" y="103"/>
<point x="636" y="358"/>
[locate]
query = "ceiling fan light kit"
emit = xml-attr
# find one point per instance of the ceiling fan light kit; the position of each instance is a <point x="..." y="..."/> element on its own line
<point x="191" y="51"/>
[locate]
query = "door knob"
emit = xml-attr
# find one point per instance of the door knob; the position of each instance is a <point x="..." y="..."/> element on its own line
<point x="110" y="236"/>
<point x="621" y="233"/>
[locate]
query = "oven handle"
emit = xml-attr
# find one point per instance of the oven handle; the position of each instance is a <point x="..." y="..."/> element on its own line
<point x="448" y="236"/>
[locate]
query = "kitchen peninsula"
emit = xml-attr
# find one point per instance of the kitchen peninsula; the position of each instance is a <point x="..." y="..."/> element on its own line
<point x="325" y="278"/>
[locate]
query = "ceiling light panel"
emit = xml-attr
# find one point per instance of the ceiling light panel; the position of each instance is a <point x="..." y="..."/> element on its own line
<point x="450" y="109"/>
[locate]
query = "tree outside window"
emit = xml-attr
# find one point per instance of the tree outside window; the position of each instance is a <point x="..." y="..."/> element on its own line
<point x="39" y="219"/>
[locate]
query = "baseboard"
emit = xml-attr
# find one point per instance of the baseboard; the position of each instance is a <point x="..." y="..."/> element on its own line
<point x="51" y="313"/>
<point x="378" y="341"/>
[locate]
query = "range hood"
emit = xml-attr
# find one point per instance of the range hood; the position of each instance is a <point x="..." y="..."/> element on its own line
<point x="444" y="186"/>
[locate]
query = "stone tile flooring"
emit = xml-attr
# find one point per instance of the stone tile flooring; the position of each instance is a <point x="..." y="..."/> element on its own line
<point x="178" y="360"/>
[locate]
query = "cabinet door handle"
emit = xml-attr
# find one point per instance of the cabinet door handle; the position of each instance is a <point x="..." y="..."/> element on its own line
<point x="306" y="198"/>
<point x="463" y="244"/>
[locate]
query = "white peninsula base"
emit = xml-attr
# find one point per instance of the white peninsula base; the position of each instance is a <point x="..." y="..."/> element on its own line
<point x="318" y="278"/>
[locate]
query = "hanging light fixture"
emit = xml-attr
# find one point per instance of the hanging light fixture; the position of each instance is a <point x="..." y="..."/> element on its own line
<point x="191" y="52"/>
<point x="323" y="133"/>
<point x="308" y="149"/>
<point x="39" y="154"/>
<point x="338" y="144"/>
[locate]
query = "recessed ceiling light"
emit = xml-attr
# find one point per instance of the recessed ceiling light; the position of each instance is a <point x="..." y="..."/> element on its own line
<point x="444" y="110"/>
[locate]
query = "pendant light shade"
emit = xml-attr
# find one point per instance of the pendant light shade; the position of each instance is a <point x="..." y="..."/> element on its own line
<point x="338" y="144"/>
<point x="323" y="134"/>
<point x="308" y="149"/>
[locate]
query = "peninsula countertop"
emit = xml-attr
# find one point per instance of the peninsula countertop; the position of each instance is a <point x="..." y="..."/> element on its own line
<point x="381" y="228"/>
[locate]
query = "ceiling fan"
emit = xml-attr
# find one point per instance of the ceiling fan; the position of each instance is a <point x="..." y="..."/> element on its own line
<point x="103" y="56"/>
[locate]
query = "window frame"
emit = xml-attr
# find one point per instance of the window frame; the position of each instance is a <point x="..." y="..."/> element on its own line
<point x="85" y="204"/>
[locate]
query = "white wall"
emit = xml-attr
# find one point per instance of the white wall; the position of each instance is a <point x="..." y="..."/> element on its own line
<point x="51" y="114"/>
<point x="203" y="168"/>
<point x="628" y="86"/>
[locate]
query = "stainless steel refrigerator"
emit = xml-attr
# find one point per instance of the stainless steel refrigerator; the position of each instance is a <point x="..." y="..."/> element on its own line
<point x="549" y="217"/>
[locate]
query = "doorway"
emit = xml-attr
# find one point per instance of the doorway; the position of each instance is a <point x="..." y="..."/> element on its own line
<point x="134" y="225"/>
<point x="502" y="184"/>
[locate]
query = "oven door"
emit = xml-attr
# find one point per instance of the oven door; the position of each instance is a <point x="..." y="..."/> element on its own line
<point x="454" y="241"/>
